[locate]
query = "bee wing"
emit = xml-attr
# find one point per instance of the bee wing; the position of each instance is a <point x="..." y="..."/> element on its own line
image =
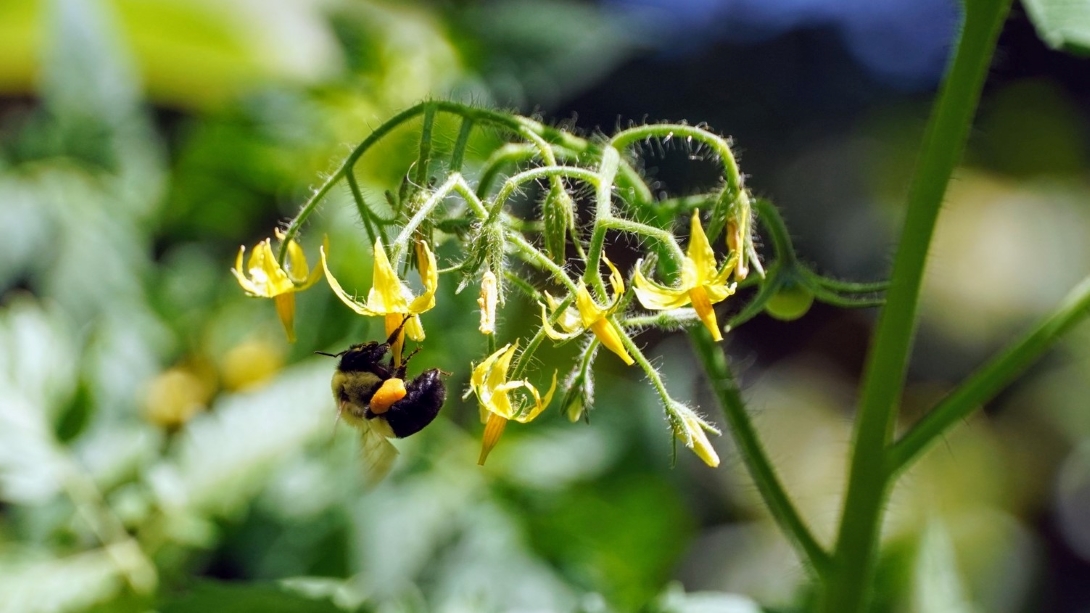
<point x="378" y="454"/>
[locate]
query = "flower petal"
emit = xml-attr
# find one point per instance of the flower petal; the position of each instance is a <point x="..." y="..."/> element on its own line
<point x="656" y="297"/>
<point x="285" y="309"/>
<point x="694" y="438"/>
<point x="350" y="302"/>
<point x="704" y="310"/>
<point x="552" y="332"/>
<point x="493" y="428"/>
<point x="610" y="337"/>
<point x="589" y="311"/>
<point x="247" y="285"/>
<point x="617" y="281"/>
<point x="700" y="250"/>
<point x="429" y="274"/>
<point x="387" y="293"/>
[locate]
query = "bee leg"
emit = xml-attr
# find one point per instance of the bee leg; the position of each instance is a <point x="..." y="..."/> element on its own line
<point x="397" y="331"/>
<point x="423" y="399"/>
<point x="399" y="372"/>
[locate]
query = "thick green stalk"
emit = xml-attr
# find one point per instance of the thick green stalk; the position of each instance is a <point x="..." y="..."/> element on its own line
<point x="846" y="588"/>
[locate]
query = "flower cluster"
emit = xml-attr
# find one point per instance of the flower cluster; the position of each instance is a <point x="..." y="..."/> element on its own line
<point x="666" y="287"/>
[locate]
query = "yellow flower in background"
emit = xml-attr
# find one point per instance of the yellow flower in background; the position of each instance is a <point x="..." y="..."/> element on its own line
<point x="587" y="315"/>
<point x="389" y="297"/>
<point x="701" y="284"/>
<point x="264" y="277"/>
<point x="489" y="382"/>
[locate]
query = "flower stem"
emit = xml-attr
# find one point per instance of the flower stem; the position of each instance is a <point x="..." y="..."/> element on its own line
<point x="753" y="454"/>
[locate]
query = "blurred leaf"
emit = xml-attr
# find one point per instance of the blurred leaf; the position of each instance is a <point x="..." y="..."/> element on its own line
<point x="938" y="587"/>
<point x="226" y="455"/>
<point x="214" y="597"/>
<point x="622" y="534"/>
<point x="37" y="359"/>
<point x="86" y="75"/>
<point x="57" y="585"/>
<point x="1063" y="24"/>
<point x="676" y="600"/>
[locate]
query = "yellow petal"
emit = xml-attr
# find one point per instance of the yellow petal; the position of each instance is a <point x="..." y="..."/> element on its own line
<point x="656" y="297"/>
<point x="246" y="284"/>
<point x="694" y="438"/>
<point x="615" y="280"/>
<point x="285" y="309"/>
<point x="493" y="428"/>
<point x="589" y="311"/>
<point x="610" y="336"/>
<point x="719" y="292"/>
<point x="552" y="332"/>
<point x="414" y="329"/>
<point x="296" y="261"/>
<point x="489" y="382"/>
<point x="704" y="310"/>
<point x="393" y="321"/>
<point x="429" y="274"/>
<point x="387" y="294"/>
<point x="350" y="302"/>
<point x="700" y="251"/>
<point x="540" y="404"/>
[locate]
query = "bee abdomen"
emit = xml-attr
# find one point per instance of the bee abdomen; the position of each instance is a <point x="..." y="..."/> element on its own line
<point x="425" y="396"/>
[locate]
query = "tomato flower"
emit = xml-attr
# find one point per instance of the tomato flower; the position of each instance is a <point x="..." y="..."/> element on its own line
<point x="489" y="382"/>
<point x="701" y="284"/>
<point x="587" y="315"/>
<point x="264" y="277"/>
<point x="390" y="297"/>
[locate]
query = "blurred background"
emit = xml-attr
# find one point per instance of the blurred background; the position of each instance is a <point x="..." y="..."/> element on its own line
<point x="163" y="447"/>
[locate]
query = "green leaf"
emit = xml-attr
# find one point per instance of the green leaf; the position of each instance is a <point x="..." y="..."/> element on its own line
<point x="215" y="597"/>
<point x="1063" y="24"/>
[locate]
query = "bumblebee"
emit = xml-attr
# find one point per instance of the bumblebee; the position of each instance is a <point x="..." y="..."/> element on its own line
<point x="372" y="394"/>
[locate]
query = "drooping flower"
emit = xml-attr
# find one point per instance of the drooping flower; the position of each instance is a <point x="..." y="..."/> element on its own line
<point x="702" y="285"/>
<point x="264" y="277"/>
<point x="586" y="314"/>
<point x="489" y="382"/>
<point x="390" y="297"/>
<point x="690" y="428"/>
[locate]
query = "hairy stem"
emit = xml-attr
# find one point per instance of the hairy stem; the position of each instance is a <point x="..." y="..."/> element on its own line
<point x="868" y="483"/>
<point x="753" y="454"/>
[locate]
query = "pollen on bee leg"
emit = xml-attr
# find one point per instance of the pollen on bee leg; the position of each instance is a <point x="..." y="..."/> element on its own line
<point x="390" y="392"/>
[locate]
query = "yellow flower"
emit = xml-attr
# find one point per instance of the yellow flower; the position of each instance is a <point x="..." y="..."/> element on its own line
<point x="587" y="315"/>
<point x="389" y="297"/>
<point x="691" y="432"/>
<point x="701" y="284"/>
<point x="489" y="382"/>
<point x="266" y="278"/>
